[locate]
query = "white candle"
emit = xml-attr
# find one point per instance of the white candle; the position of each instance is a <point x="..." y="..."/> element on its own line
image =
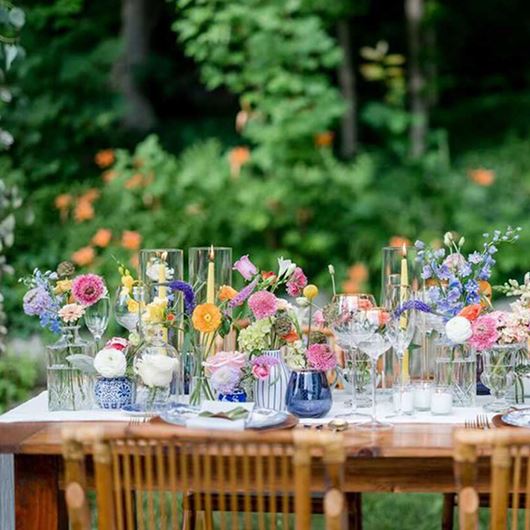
<point x="407" y="400"/>
<point x="422" y="397"/>
<point x="442" y="402"/>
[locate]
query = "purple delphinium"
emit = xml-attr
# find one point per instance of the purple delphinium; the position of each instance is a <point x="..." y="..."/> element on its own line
<point x="187" y="292"/>
<point x="412" y="305"/>
<point x="36" y="301"/>
<point x="240" y="298"/>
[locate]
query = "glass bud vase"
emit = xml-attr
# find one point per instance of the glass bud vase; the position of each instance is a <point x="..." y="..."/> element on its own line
<point x="308" y="394"/>
<point x="68" y="388"/>
<point x="456" y="369"/>
<point x="157" y="367"/>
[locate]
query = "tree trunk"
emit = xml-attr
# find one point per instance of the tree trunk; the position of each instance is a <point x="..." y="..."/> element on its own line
<point x="419" y="110"/>
<point x="139" y="113"/>
<point x="346" y="75"/>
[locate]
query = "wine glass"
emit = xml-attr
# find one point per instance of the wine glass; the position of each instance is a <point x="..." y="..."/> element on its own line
<point x="125" y="310"/>
<point x="400" y="328"/>
<point x="343" y="310"/>
<point x="97" y="318"/>
<point x="372" y="327"/>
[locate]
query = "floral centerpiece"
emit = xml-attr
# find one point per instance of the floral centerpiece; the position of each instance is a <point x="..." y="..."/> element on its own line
<point x="59" y="299"/>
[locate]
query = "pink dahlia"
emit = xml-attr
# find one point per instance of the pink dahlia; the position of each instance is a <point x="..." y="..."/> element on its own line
<point x="88" y="289"/>
<point x="263" y="304"/>
<point x="296" y="284"/>
<point x="321" y="357"/>
<point x="485" y="332"/>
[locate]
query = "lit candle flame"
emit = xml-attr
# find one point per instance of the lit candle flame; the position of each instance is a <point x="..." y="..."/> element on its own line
<point x="404" y="250"/>
<point x="211" y="253"/>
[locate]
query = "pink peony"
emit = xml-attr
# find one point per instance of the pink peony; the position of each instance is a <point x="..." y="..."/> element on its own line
<point x="88" y="289"/>
<point x="117" y="343"/>
<point x="263" y="304"/>
<point x="260" y="371"/>
<point x="321" y="357"/>
<point x="245" y="267"/>
<point x="222" y="359"/>
<point x="485" y="332"/>
<point x="296" y="284"/>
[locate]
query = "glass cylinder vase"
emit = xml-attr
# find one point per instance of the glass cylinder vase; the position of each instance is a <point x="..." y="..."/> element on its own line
<point x="69" y="388"/>
<point x="159" y="267"/>
<point x="456" y="369"/>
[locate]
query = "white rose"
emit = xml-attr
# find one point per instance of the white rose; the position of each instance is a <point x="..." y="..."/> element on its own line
<point x="458" y="330"/>
<point x="110" y="362"/>
<point x="156" y="369"/>
<point x="286" y="268"/>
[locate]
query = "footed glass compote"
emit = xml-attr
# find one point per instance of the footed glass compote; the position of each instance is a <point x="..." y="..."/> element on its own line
<point x="373" y="326"/>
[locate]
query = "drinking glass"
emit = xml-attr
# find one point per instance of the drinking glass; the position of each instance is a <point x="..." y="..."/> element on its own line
<point x="344" y="307"/>
<point x="498" y="374"/>
<point x="372" y="326"/>
<point x="97" y="318"/>
<point x="400" y="328"/>
<point x="125" y="314"/>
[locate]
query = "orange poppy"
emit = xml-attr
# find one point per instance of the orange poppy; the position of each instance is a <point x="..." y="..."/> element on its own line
<point x="324" y="139"/>
<point x="485" y="292"/>
<point x="226" y="293"/>
<point x="84" y="211"/>
<point x="131" y="240"/>
<point x="482" y="177"/>
<point x="84" y="256"/>
<point x="102" y="238"/>
<point x="206" y="318"/>
<point x="105" y="158"/>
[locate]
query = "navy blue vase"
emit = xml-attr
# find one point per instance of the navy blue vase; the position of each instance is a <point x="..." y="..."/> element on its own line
<point x="237" y="396"/>
<point x="308" y="394"/>
<point x="114" y="393"/>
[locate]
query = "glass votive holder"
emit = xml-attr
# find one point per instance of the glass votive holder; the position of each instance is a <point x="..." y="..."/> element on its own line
<point x="422" y="395"/>
<point x="403" y="395"/>
<point x="159" y="267"/>
<point x="441" y="400"/>
<point x="206" y="261"/>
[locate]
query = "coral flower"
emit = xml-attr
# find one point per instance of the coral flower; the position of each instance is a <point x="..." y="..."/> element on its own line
<point x="84" y="211"/>
<point x="206" y="318"/>
<point x="131" y="240"/>
<point x="134" y="182"/>
<point x="63" y="201"/>
<point x="105" y="158"/>
<point x="482" y="177"/>
<point x="109" y="176"/>
<point x="102" y="238"/>
<point x="471" y="312"/>
<point x="226" y="293"/>
<point x="399" y="241"/>
<point x="90" y="195"/>
<point x="291" y="337"/>
<point x="237" y="157"/>
<point x="84" y="256"/>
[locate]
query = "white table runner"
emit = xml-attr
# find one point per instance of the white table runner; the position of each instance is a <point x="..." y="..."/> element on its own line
<point x="36" y="410"/>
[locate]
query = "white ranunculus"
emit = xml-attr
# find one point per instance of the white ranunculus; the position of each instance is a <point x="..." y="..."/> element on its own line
<point x="153" y="271"/>
<point x="286" y="268"/>
<point x="458" y="330"/>
<point x="156" y="369"/>
<point x="110" y="362"/>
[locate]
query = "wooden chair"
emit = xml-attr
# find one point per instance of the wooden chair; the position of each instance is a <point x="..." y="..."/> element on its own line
<point x="155" y="477"/>
<point x="509" y="453"/>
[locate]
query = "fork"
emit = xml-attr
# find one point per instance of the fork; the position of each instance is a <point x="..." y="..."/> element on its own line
<point x="480" y="422"/>
<point x="138" y="420"/>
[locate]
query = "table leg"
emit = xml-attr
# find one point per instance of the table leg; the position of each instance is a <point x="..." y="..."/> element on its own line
<point x="39" y="504"/>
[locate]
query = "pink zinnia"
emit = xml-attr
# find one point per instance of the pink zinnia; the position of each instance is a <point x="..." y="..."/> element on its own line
<point x="88" y="289"/>
<point x="485" y="332"/>
<point x="263" y="304"/>
<point x="321" y="357"/>
<point x="296" y="284"/>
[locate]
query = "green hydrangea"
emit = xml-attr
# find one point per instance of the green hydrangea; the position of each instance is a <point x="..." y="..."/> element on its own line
<point x="295" y="355"/>
<point x="256" y="336"/>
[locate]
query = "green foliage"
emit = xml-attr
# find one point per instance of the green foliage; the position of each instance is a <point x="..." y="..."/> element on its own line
<point x="18" y="376"/>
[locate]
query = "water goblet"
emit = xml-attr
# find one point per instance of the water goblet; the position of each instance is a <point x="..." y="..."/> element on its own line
<point x="376" y="341"/>
<point x="123" y="314"/>
<point x="499" y="373"/>
<point x="97" y="318"/>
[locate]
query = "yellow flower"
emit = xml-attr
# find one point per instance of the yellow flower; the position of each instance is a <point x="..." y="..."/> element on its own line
<point x="127" y="281"/>
<point x="132" y="306"/>
<point x="63" y="286"/>
<point x="226" y="293"/>
<point x="206" y="318"/>
<point x="311" y="291"/>
<point x="155" y="311"/>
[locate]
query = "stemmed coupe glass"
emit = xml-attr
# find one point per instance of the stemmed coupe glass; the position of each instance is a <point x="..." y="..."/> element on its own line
<point x="344" y="307"/>
<point x="372" y="326"/>
<point x="125" y="314"/>
<point x="400" y="328"/>
<point x="97" y="318"/>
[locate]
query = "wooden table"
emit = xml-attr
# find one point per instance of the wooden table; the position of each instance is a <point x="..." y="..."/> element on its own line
<point x="408" y="458"/>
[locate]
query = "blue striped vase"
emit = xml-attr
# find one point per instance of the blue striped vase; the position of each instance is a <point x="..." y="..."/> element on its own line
<point x="270" y="393"/>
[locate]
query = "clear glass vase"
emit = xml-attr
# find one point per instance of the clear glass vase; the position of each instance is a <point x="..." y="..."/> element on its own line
<point x="69" y="388"/>
<point x="158" y="370"/>
<point x="456" y="368"/>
